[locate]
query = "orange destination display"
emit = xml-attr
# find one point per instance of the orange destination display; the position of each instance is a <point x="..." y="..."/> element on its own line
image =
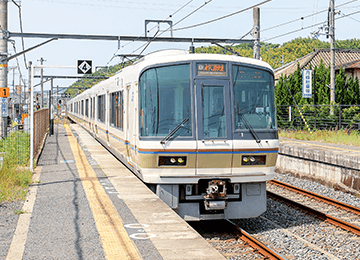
<point x="211" y="69"/>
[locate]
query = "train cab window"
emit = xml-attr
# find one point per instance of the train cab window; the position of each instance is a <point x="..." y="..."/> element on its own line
<point x="87" y="107"/>
<point x="165" y="101"/>
<point x="253" y="98"/>
<point x="117" y="109"/>
<point x="101" y="108"/>
<point x="213" y="104"/>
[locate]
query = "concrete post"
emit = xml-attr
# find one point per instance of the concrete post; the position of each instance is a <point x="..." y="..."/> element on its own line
<point x="3" y="55"/>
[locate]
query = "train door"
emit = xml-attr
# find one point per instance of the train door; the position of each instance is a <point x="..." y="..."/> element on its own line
<point x="214" y="139"/>
<point x="127" y="134"/>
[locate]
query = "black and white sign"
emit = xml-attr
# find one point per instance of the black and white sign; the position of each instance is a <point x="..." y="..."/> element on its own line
<point x="84" y="67"/>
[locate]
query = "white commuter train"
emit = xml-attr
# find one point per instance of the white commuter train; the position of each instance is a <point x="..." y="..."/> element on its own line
<point x="199" y="129"/>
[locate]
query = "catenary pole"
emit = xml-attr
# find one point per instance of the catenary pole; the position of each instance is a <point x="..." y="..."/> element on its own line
<point x="42" y="84"/>
<point x="256" y="33"/>
<point x="3" y="60"/>
<point x="332" y="51"/>
<point x="31" y="108"/>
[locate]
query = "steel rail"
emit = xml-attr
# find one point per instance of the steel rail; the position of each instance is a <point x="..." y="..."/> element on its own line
<point x="320" y="215"/>
<point x="258" y="247"/>
<point x="321" y="198"/>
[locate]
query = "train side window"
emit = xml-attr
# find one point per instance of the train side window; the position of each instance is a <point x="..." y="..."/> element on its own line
<point x="87" y="107"/>
<point x="117" y="109"/>
<point x="93" y="110"/>
<point x="101" y="108"/>
<point x="90" y="108"/>
<point x="82" y="107"/>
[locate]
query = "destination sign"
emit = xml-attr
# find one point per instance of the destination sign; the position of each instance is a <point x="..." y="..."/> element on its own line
<point x="211" y="69"/>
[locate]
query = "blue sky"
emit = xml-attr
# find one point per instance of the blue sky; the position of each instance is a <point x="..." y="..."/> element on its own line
<point x="126" y="17"/>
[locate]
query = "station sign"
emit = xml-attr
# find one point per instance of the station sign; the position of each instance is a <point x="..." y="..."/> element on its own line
<point x="4" y="92"/>
<point x="307" y="83"/>
<point x="84" y="66"/>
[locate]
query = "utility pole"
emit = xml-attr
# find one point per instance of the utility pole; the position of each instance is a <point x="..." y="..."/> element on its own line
<point x="3" y="64"/>
<point x="332" y="50"/>
<point x="51" y="115"/>
<point x="42" y="85"/>
<point x="256" y="33"/>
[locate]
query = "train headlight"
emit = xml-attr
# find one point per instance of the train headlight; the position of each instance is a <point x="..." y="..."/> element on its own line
<point x="172" y="161"/>
<point x="253" y="160"/>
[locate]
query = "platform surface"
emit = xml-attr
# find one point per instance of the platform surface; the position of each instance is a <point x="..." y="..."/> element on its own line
<point x="85" y="204"/>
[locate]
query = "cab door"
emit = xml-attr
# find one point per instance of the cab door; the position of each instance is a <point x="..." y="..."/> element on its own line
<point x="214" y="138"/>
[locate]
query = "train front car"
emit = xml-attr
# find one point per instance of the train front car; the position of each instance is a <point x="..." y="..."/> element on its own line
<point x="208" y="138"/>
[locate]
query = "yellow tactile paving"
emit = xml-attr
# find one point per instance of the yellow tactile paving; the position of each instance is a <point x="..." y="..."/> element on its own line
<point x="115" y="241"/>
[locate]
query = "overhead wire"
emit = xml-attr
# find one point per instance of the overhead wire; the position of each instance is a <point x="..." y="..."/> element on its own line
<point x="214" y="20"/>
<point x="307" y="27"/>
<point x="17" y="61"/>
<point x="170" y="16"/>
<point x="220" y="18"/>
<point x="307" y="16"/>
<point x="22" y="31"/>
<point x="197" y="9"/>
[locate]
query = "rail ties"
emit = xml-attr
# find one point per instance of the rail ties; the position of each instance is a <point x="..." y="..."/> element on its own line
<point x="327" y="200"/>
<point x="325" y="217"/>
<point x="258" y="247"/>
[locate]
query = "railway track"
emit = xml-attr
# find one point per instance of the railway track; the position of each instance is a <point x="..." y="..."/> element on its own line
<point x="234" y="242"/>
<point x="335" y="212"/>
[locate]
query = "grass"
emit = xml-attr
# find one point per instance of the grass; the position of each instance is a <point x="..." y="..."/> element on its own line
<point x="344" y="136"/>
<point x="15" y="176"/>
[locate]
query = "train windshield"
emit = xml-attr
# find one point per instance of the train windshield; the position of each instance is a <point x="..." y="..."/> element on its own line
<point x="165" y="101"/>
<point x="253" y="98"/>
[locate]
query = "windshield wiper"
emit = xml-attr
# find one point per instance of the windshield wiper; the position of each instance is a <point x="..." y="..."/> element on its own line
<point x="248" y="126"/>
<point x="176" y="128"/>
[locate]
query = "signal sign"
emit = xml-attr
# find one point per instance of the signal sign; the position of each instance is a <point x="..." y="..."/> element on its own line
<point x="84" y="67"/>
<point x="4" y="92"/>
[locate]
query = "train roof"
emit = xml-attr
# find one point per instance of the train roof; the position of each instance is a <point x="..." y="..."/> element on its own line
<point x="171" y="56"/>
<point x="167" y="56"/>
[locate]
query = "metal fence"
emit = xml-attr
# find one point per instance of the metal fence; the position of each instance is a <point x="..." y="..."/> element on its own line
<point x="41" y="127"/>
<point x="319" y="117"/>
<point x="15" y="146"/>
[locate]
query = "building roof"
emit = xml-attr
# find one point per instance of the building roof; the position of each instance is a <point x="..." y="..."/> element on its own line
<point x="344" y="57"/>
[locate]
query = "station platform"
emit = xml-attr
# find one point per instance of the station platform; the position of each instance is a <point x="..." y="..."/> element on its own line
<point x="85" y="204"/>
<point x="334" y="165"/>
